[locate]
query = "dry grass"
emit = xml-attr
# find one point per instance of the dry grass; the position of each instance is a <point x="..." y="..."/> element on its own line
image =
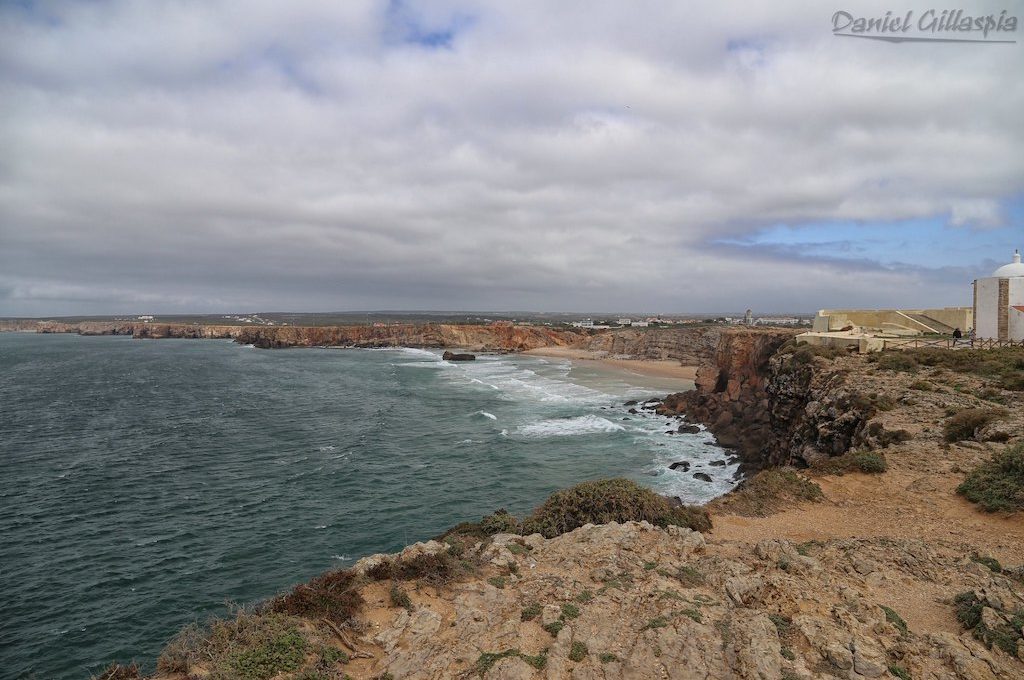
<point x="767" y="492"/>
<point x="333" y="596"/>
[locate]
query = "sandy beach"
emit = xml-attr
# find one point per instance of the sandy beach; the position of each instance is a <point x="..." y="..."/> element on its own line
<point x="667" y="368"/>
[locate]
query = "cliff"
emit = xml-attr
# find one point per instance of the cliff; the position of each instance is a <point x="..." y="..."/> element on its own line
<point x="689" y="346"/>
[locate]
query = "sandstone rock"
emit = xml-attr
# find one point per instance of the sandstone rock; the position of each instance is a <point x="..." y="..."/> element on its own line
<point x="703" y="476"/>
<point x="681" y="465"/>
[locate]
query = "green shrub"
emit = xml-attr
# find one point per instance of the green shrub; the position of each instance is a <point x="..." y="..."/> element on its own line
<point x="497" y="581"/>
<point x="570" y="611"/>
<point x="578" y="652"/>
<point x="501" y="522"/>
<point x="998" y="484"/>
<point x="438" y="569"/>
<point x="656" y="622"/>
<point x="530" y="612"/>
<point x="608" y="658"/>
<point x="400" y="598"/>
<point x="896" y="361"/>
<point x="609" y="500"/>
<point x="585" y="596"/>
<point x="899" y="672"/>
<point x="689" y="577"/>
<point x="990" y="562"/>
<point x="487" y="660"/>
<point x="965" y="424"/>
<point x="787" y="653"/>
<point x="968" y="609"/>
<point x="869" y="462"/>
<point x="555" y="627"/>
<point x="895" y="619"/>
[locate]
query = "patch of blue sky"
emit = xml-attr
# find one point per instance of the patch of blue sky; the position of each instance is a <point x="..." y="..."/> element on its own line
<point x="927" y="242"/>
<point x="408" y="26"/>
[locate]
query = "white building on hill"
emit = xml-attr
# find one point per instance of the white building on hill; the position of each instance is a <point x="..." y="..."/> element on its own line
<point x="999" y="303"/>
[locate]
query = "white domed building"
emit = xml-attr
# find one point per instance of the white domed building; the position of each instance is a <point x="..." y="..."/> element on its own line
<point x="999" y="303"/>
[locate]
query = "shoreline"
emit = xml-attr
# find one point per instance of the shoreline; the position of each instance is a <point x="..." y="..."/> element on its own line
<point x="655" y="368"/>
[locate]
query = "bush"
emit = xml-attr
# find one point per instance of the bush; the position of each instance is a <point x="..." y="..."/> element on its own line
<point x="869" y="462"/>
<point x="896" y="361"/>
<point x="766" y="492"/>
<point x="578" y="651"/>
<point x="437" y="569"/>
<point x="530" y="612"/>
<point x="965" y="424"/>
<point x="332" y="596"/>
<point x="116" y="671"/>
<point x="400" y="598"/>
<point x="246" y="647"/>
<point x="609" y="500"/>
<point x="997" y="485"/>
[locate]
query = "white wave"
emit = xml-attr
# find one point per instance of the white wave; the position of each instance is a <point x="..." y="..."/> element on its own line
<point x="568" y="427"/>
<point x="485" y="414"/>
<point x="320" y="526"/>
<point x="341" y="558"/>
<point x="328" y="448"/>
<point x="468" y="441"/>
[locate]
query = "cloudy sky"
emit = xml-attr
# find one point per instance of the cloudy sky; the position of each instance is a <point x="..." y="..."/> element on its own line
<point x="576" y="155"/>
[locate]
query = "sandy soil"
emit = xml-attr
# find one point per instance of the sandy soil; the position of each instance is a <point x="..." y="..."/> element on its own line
<point x="647" y="367"/>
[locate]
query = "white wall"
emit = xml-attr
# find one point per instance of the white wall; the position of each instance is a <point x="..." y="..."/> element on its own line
<point x="986" y="321"/>
<point x="1016" y="320"/>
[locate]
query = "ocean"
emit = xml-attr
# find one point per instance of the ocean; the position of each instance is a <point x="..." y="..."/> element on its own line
<point x="146" y="484"/>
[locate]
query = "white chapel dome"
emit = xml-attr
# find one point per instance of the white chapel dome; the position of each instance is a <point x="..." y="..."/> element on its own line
<point x="1015" y="268"/>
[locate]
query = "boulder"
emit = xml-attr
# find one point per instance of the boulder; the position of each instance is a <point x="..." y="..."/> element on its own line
<point x="452" y="356"/>
<point x="702" y="476"/>
<point x="680" y="465"/>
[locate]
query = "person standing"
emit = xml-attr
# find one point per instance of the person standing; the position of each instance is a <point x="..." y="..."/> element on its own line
<point x="956" y="336"/>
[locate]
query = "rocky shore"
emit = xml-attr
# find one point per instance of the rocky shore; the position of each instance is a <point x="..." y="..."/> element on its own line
<point x="850" y="555"/>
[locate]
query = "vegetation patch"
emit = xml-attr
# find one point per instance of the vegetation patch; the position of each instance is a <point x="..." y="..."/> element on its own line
<point x="1003" y="365"/>
<point x="767" y="492"/>
<point x="585" y="596"/>
<point x="497" y="581"/>
<point x="990" y="562"/>
<point x="869" y="462"/>
<point x="245" y="647"/>
<point x="555" y="627"/>
<point x="656" y="622"/>
<point x="1005" y="634"/>
<point x="530" y="612"/>
<point x="607" y="657"/>
<point x="438" y="569"/>
<point x="895" y="360"/>
<point x="332" y="596"/>
<point x="486" y="660"/>
<point x="895" y="619"/>
<point x="578" y="652"/>
<point x="899" y="671"/>
<point x="965" y="424"/>
<point x="570" y="611"/>
<point x="689" y="577"/>
<point x="998" y="484"/>
<point x="400" y="598"/>
<point x="609" y="500"/>
<point x="116" y="671"/>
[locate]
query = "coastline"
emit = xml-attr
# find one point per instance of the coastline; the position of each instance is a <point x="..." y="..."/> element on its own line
<point x="656" y="368"/>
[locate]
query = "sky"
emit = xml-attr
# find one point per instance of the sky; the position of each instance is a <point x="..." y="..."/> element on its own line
<point x="169" y="157"/>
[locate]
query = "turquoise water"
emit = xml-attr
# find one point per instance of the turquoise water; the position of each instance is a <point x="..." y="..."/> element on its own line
<point x="146" y="483"/>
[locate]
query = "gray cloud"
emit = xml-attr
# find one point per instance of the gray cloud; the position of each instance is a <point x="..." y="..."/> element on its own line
<point x="579" y="155"/>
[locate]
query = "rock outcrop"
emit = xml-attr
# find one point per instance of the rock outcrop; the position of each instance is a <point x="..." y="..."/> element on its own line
<point x="633" y="601"/>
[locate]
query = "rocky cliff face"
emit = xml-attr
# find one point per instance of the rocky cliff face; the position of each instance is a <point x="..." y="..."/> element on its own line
<point x="777" y="407"/>
<point x="689" y="345"/>
<point x="634" y="601"/>
<point x="478" y="338"/>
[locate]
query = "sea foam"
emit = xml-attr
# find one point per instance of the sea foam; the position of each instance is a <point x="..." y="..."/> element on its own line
<point x="568" y="427"/>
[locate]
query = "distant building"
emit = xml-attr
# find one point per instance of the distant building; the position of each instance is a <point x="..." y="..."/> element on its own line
<point x="999" y="303"/>
<point x="748" y="318"/>
<point x="640" y="324"/>
<point x="625" y="322"/>
<point x="146" y="317"/>
<point x="586" y="323"/>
